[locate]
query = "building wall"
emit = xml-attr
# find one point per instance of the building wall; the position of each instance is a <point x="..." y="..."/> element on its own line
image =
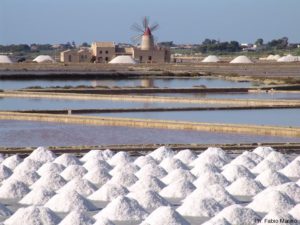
<point x="84" y="56"/>
<point x="152" y="56"/>
<point x="103" y="51"/>
<point x="75" y="56"/>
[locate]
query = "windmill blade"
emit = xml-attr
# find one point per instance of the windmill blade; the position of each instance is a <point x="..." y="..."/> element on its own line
<point x="154" y="27"/>
<point x="138" y="28"/>
<point x="136" y="39"/>
<point x="145" y="22"/>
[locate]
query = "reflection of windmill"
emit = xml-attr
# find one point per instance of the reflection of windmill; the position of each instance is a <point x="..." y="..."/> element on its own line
<point x="145" y="34"/>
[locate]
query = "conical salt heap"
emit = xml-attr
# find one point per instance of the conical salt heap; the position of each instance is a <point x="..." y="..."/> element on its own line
<point x="186" y="156"/>
<point x="52" y="182"/>
<point x="144" y="160"/>
<point x="4" y="211"/>
<point x="97" y="176"/>
<point x="178" y="174"/>
<point x="147" y="183"/>
<point x="253" y="156"/>
<point x="73" y="171"/>
<point x="278" y="157"/>
<point x="203" y="168"/>
<point x="263" y="151"/>
<point x="67" y="159"/>
<point x="210" y="178"/>
<point x="103" y="221"/>
<point x="81" y="186"/>
<point x="28" y="165"/>
<point x="77" y="218"/>
<point x="151" y="170"/>
<point x="217" y="221"/>
<point x="291" y="189"/>
<point x="170" y="164"/>
<point x="120" y="158"/>
<point x="38" y="196"/>
<point x="42" y="154"/>
<point x="5" y="172"/>
<point x="27" y="178"/>
<point x="93" y="155"/>
<point x="292" y="169"/>
<point x="96" y="163"/>
<point x="210" y="158"/>
<point x="245" y="186"/>
<point x="271" y="178"/>
<point x="295" y="212"/>
<point x="50" y="167"/>
<point x="234" y="172"/>
<point x="127" y="168"/>
<point x="108" y="192"/>
<point x="123" y="209"/>
<point x="266" y="165"/>
<point x="124" y="178"/>
<point x="11" y="162"/>
<point x="282" y="218"/>
<point x="242" y="161"/>
<point x="13" y="189"/>
<point x="161" y="153"/>
<point x="178" y="189"/>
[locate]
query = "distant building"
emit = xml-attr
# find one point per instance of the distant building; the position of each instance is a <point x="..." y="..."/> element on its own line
<point x="76" y="56"/>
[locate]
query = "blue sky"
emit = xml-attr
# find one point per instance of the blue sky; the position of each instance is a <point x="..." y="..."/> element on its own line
<point x="181" y="21"/>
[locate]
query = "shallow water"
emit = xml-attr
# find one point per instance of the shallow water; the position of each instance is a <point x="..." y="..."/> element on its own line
<point x="276" y="117"/>
<point x="27" y="133"/>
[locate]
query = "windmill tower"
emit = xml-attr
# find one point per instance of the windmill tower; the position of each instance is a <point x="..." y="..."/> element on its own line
<point x="145" y="34"/>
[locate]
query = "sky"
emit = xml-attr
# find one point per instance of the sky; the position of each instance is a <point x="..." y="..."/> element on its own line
<point x="181" y="21"/>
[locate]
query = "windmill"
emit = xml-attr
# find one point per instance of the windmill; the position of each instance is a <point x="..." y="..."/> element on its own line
<point x="145" y="36"/>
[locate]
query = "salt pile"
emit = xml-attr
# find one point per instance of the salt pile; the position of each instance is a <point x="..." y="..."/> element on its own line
<point x="236" y="214"/>
<point x="218" y="221"/>
<point x="124" y="178"/>
<point x="33" y="215"/>
<point x="288" y="58"/>
<point x="203" y="168"/>
<point x="123" y="209"/>
<point x="11" y="162"/>
<point x="186" y="156"/>
<point x="50" y="167"/>
<point x="68" y="201"/>
<point x="253" y="156"/>
<point x="147" y="183"/>
<point x="5" y="172"/>
<point x="271" y="178"/>
<point x="271" y="201"/>
<point x="5" y="59"/>
<point x="241" y="59"/>
<point x="292" y="169"/>
<point x="77" y="218"/>
<point x="97" y="176"/>
<point x="103" y="221"/>
<point x="151" y="170"/>
<point x="165" y="215"/>
<point x="278" y="219"/>
<point x="170" y="164"/>
<point x="178" y="189"/>
<point x="108" y="192"/>
<point x="38" y="196"/>
<point x="96" y="163"/>
<point x="121" y="158"/>
<point x="233" y="172"/>
<point x="245" y="186"/>
<point x="213" y="191"/>
<point x="178" y="174"/>
<point x="263" y="151"/>
<point x="93" y="155"/>
<point x="43" y="59"/>
<point x="27" y="178"/>
<point x="28" y="165"/>
<point x="73" y="171"/>
<point x="199" y="207"/>
<point x="161" y="153"/>
<point x="243" y="161"/>
<point x="4" y="211"/>
<point x="123" y="59"/>
<point x="266" y="165"/>
<point x="149" y="200"/>
<point x="42" y="154"/>
<point x="210" y="178"/>
<point x="211" y="59"/>
<point x="13" y="189"/>
<point x="295" y="212"/>
<point x="128" y="168"/>
<point x="214" y="156"/>
<point x="291" y="189"/>
<point x="50" y="181"/>
<point x="67" y="160"/>
<point x="81" y="186"/>
<point x="144" y="160"/>
<point x="277" y="157"/>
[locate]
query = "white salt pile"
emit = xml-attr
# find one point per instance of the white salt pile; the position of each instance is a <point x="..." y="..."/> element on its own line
<point x="67" y="159"/>
<point x="69" y="201"/>
<point x="178" y="189"/>
<point x="128" y="168"/>
<point x="149" y="200"/>
<point x="178" y="174"/>
<point x="93" y="155"/>
<point x="147" y="183"/>
<point x="278" y="218"/>
<point x="33" y="215"/>
<point x="4" y="211"/>
<point x="253" y="156"/>
<point x="5" y="59"/>
<point x="1" y="158"/>
<point x="263" y="151"/>
<point x="292" y="169"/>
<point x="212" y="156"/>
<point x="108" y="192"/>
<point x="12" y="189"/>
<point x="170" y="164"/>
<point x="5" y="172"/>
<point x="107" y="154"/>
<point x="97" y="176"/>
<point x="96" y="163"/>
<point x="28" y="165"/>
<point x="50" y="181"/>
<point x="123" y="59"/>
<point x="233" y="172"/>
<point x="186" y="156"/>
<point x="73" y="171"/>
<point x="243" y="161"/>
<point x="50" y="167"/>
<point x="77" y="218"/>
<point x="27" y="178"/>
<point x="211" y="59"/>
<point x="295" y="212"/>
<point x="245" y="186"/>
<point x="291" y="189"/>
<point x="214" y="191"/>
<point x="121" y="158"/>
<point x="271" y="178"/>
<point x="236" y="214"/>
<point x="203" y="168"/>
<point x="241" y="59"/>
<point x="266" y="165"/>
<point x="151" y="170"/>
<point x="42" y="154"/>
<point x="210" y="178"/>
<point x="38" y="196"/>
<point x="271" y="201"/>
<point x="123" y="209"/>
<point x="277" y="157"/>
<point x="144" y="160"/>
<point x="199" y="207"/>
<point x="165" y="215"/>
<point x="43" y="59"/>
<point x="217" y="221"/>
<point x="161" y="153"/>
<point x="103" y="221"/>
<point x="124" y="178"/>
<point x="11" y="162"/>
<point x="288" y="58"/>
<point x="81" y="186"/>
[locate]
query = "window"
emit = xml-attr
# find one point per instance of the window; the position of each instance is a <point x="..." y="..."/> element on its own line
<point x="70" y="58"/>
<point x="100" y="52"/>
<point x="100" y="59"/>
<point x="106" y="59"/>
<point x="106" y="52"/>
<point x="150" y="58"/>
<point x="141" y="58"/>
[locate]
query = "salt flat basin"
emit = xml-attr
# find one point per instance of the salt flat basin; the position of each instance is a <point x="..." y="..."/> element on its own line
<point x="46" y="103"/>
<point x="29" y="133"/>
<point x="274" y="117"/>
<point x="129" y="82"/>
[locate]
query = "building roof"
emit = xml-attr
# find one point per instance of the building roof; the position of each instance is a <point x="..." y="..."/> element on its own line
<point x="104" y="44"/>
